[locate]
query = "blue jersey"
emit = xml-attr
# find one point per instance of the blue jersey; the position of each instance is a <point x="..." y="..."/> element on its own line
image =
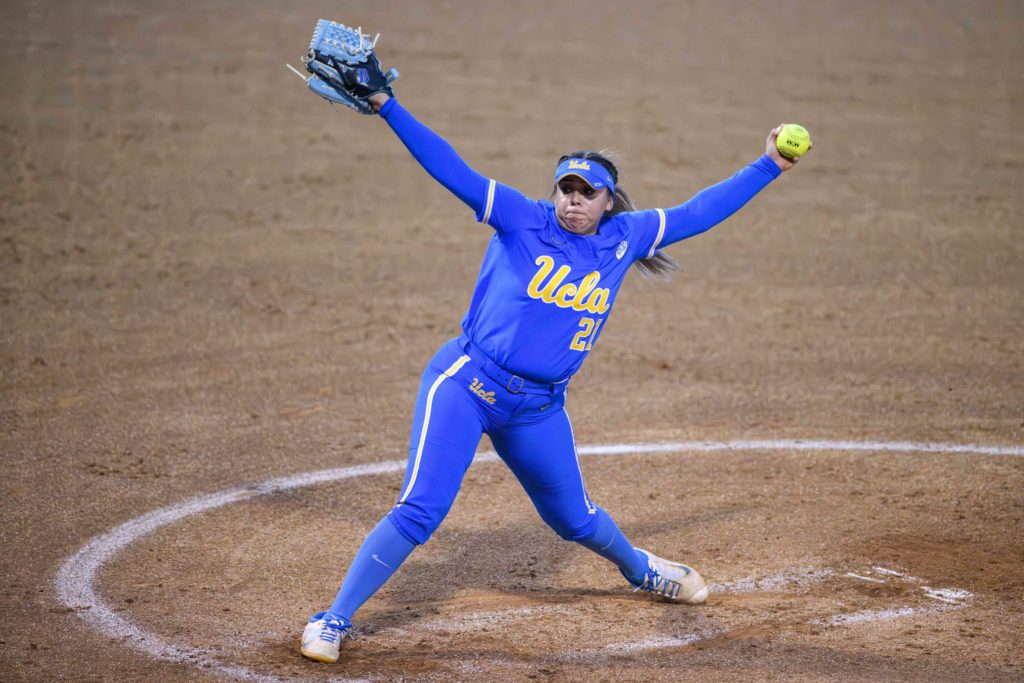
<point x="544" y="293"/>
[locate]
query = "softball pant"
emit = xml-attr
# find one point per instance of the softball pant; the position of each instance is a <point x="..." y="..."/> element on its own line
<point x="457" y="403"/>
<point x="462" y="396"/>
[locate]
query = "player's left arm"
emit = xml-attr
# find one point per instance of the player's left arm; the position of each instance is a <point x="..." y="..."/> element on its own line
<point x="714" y="204"/>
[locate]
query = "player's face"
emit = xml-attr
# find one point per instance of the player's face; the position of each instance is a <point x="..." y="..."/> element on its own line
<point x="578" y="206"/>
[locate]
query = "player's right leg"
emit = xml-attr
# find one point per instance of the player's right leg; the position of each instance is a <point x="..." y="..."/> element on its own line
<point x="446" y="429"/>
<point x="540" y="449"/>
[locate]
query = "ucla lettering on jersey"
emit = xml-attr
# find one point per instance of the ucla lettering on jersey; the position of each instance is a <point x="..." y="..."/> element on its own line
<point x="585" y="297"/>
<point x="543" y="293"/>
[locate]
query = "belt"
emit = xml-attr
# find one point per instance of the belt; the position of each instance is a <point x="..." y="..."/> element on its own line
<point x="513" y="383"/>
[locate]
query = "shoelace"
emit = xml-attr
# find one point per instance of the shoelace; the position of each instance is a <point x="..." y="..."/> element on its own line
<point x="333" y="630"/>
<point x="654" y="582"/>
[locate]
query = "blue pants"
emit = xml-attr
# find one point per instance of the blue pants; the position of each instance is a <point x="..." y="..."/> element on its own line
<point x="459" y="400"/>
<point x="457" y="403"/>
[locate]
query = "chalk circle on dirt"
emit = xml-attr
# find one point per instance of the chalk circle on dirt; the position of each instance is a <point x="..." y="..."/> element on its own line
<point x="76" y="578"/>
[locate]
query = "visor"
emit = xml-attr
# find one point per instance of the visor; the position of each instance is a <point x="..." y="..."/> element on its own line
<point x="593" y="173"/>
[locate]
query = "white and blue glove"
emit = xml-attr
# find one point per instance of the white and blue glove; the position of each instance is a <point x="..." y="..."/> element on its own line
<point x="344" y="67"/>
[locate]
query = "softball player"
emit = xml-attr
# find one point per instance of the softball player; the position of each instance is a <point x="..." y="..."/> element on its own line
<point x="546" y="287"/>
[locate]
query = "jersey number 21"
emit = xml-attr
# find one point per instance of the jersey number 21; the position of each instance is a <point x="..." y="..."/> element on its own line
<point x="584" y="339"/>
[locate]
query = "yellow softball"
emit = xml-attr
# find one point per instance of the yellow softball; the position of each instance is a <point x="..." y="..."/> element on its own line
<point x="793" y="141"/>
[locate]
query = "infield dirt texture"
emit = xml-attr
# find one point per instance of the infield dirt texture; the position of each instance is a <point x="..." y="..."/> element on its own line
<point x="209" y="279"/>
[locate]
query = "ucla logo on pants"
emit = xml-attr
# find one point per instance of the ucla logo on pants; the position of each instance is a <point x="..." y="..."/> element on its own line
<point x="477" y="387"/>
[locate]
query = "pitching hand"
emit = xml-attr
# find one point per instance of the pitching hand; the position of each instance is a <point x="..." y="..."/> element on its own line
<point x="773" y="151"/>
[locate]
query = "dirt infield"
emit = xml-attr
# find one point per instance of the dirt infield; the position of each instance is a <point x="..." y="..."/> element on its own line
<point x="208" y="280"/>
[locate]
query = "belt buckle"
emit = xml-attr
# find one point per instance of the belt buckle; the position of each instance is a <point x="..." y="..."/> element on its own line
<point x="517" y="381"/>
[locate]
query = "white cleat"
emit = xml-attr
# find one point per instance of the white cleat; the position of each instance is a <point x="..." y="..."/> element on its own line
<point x="321" y="639"/>
<point x="672" y="580"/>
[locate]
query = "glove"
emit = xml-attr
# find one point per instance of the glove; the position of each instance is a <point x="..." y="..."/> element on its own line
<point x="345" y="68"/>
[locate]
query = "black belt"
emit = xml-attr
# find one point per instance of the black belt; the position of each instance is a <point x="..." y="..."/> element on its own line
<point x="513" y="383"/>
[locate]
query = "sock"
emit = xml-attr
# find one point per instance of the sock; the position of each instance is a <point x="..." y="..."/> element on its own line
<point x="610" y="543"/>
<point x="383" y="551"/>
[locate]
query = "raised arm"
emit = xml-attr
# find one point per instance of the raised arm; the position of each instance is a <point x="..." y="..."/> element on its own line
<point x="711" y="206"/>
<point x="714" y="204"/>
<point x="434" y="153"/>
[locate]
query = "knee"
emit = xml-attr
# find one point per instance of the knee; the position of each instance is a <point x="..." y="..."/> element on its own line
<point x="417" y="523"/>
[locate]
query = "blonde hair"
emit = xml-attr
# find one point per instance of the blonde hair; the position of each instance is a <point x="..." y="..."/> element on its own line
<point x="661" y="265"/>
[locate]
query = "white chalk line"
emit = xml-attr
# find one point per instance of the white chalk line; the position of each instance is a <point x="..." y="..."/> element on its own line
<point x="951" y="596"/>
<point x="794" y="577"/>
<point x="892" y="572"/>
<point x="949" y="599"/>
<point x="869" y="615"/>
<point x="803" y="445"/>
<point x="864" y="578"/>
<point x="76" y="577"/>
<point x="657" y="643"/>
<point x="946" y="599"/>
<point x="474" y="620"/>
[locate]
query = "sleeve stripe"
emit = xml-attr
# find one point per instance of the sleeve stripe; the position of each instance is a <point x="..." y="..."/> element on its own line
<point x="661" y="232"/>
<point x="490" y="201"/>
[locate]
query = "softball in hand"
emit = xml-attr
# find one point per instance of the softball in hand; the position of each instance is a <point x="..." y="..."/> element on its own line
<point x="793" y="141"/>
